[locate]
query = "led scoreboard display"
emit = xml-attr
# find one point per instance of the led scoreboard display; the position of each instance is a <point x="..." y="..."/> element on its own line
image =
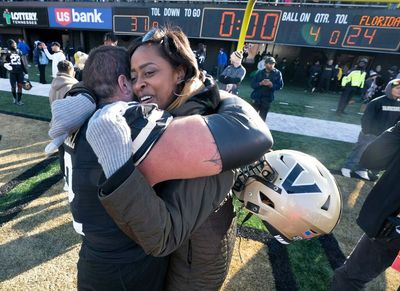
<point x="356" y="29"/>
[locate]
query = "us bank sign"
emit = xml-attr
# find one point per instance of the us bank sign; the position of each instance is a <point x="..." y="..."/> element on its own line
<point x="88" y="18"/>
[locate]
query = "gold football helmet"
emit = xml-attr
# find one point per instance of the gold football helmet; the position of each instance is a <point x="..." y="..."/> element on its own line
<point x="26" y="84"/>
<point x="295" y="196"/>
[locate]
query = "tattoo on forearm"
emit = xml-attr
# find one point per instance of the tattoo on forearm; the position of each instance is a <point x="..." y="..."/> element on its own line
<point x="215" y="159"/>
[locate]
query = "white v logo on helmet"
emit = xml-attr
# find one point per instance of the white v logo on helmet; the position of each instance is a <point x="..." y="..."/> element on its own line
<point x="290" y="180"/>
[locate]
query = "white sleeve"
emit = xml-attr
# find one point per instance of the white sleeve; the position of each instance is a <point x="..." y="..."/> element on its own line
<point x="261" y="65"/>
<point x="48" y="55"/>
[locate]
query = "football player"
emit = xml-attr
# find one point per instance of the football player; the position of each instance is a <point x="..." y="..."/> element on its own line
<point x="17" y="70"/>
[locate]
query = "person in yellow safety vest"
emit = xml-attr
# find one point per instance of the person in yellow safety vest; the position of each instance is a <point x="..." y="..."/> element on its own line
<point x="339" y="72"/>
<point x="351" y="83"/>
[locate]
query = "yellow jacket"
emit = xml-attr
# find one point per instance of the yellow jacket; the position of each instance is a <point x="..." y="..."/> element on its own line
<point x="356" y="79"/>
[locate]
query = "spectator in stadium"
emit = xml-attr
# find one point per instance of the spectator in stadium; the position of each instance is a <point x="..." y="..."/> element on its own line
<point x="222" y="61"/>
<point x="379" y="217"/>
<point x="392" y="73"/>
<point x="352" y="82"/>
<point x="264" y="84"/>
<point x="327" y="76"/>
<point x="257" y="58"/>
<point x="40" y="60"/>
<point x="313" y="76"/>
<point x="69" y="52"/>
<point x="151" y="220"/>
<point x="56" y="57"/>
<point x="380" y="114"/>
<point x="200" y="54"/>
<point x="295" y="71"/>
<point x="80" y="59"/>
<point x="233" y="74"/>
<point x="63" y="82"/>
<point x="245" y="52"/>
<point x="282" y="66"/>
<point x="3" y="71"/>
<point x="110" y="39"/>
<point x="25" y="50"/>
<point x="337" y="78"/>
<point x="378" y="70"/>
<point x="15" y="66"/>
<point x="374" y="87"/>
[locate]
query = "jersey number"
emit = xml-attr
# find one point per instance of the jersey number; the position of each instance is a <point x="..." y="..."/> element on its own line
<point x="15" y="59"/>
<point x="71" y="195"/>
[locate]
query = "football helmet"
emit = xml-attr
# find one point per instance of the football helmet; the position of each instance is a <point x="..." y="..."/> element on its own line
<point x="295" y="196"/>
<point x="26" y="85"/>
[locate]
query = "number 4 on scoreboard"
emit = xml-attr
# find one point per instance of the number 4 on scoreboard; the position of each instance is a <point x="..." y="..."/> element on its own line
<point x="315" y="32"/>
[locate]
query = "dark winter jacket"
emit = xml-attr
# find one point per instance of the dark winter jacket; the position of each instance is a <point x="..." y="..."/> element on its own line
<point x="39" y="57"/>
<point x="380" y="114"/>
<point x="102" y="240"/>
<point x="383" y="202"/>
<point x="264" y="93"/>
<point x="181" y="219"/>
<point x="14" y="58"/>
<point x="328" y="72"/>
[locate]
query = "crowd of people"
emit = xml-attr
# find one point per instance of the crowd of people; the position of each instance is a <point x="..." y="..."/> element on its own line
<point x="14" y="63"/>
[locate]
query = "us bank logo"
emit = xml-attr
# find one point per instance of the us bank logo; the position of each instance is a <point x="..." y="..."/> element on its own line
<point x="94" y="18"/>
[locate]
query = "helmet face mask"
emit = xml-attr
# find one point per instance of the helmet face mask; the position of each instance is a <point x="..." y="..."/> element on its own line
<point x="295" y="196"/>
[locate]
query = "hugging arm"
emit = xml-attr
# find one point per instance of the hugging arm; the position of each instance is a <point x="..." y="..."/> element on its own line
<point x="160" y="225"/>
<point x="189" y="147"/>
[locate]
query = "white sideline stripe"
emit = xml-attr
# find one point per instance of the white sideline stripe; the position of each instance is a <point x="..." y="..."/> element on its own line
<point x="314" y="127"/>
<point x="37" y="89"/>
<point x="332" y="130"/>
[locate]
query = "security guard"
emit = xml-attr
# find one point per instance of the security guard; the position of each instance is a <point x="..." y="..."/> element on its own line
<point x="351" y="83"/>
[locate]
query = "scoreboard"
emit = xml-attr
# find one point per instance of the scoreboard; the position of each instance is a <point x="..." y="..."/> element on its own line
<point x="369" y="29"/>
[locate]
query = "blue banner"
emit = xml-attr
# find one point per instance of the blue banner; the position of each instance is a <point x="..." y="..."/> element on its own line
<point x="92" y="18"/>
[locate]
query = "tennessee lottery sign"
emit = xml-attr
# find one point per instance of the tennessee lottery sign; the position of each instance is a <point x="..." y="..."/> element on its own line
<point x="17" y="16"/>
<point x="88" y="18"/>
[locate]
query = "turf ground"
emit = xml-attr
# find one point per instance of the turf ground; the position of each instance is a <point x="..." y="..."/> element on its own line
<point x="39" y="248"/>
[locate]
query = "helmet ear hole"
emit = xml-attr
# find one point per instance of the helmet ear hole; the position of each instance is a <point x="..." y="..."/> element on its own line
<point x="266" y="200"/>
<point x="326" y="204"/>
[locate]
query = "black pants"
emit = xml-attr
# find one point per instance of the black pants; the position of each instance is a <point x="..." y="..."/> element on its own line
<point x="324" y="84"/>
<point x="368" y="259"/>
<point x="345" y="98"/>
<point x="262" y="109"/>
<point x="15" y="79"/>
<point x="42" y="73"/>
<point x="147" y="274"/>
<point x="312" y="82"/>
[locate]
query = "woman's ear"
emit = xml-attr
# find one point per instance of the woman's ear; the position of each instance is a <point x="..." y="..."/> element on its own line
<point x="181" y="74"/>
<point x="124" y="85"/>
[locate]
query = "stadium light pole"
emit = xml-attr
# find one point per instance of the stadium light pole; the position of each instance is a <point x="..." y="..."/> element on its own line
<point x="245" y="23"/>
